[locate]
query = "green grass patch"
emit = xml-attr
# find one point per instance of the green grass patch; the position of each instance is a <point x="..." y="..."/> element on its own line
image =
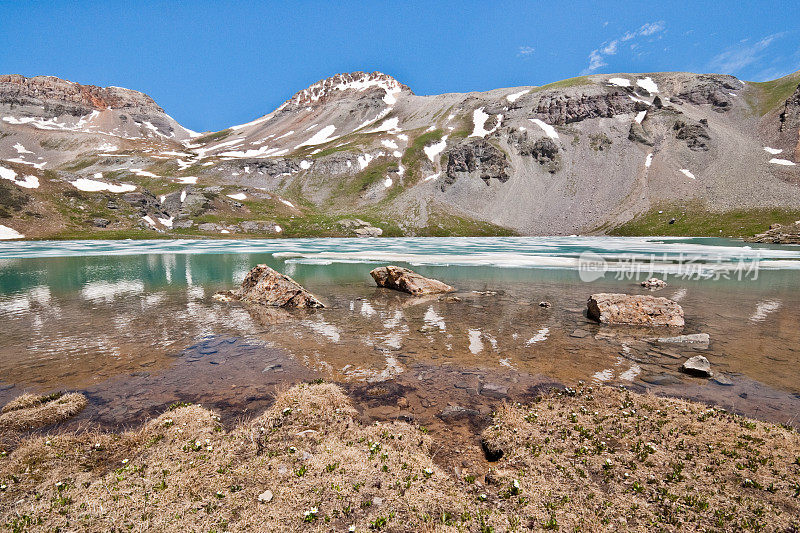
<point x="442" y="224"/>
<point x="413" y="154"/>
<point x="563" y="84"/>
<point x="771" y="94"/>
<point x="696" y="220"/>
<point x="211" y="137"/>
<point x="80" y="164"/>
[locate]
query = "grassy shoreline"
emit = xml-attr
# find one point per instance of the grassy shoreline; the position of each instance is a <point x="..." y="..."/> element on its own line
<point x="575" y="460"/>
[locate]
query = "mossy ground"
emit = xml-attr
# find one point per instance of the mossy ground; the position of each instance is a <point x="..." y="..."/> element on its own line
<point x="696" y="220"/>
<point x="575" y="460"/>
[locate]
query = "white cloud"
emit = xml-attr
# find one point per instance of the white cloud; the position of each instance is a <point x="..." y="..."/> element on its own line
<point x="596" y="61"/>
<point x="609" y="48"/>
<point x="525" y="51"/>
<point x="739" y="56"/>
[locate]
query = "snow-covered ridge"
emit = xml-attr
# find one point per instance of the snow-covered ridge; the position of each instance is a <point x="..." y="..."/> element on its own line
<point x="356" y="81"/>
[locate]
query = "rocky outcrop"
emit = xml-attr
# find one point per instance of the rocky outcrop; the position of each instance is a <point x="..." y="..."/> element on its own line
<point x="360" y="228"/>
<point x="707" y="90"/>
<point x="265" y="286"/>
<point x="377" y="83"/>
<point x="555" y="108"/>
<point x="695" y="135"/>
<point x="48" y="97"/>
<point x="635" y="310"/>
<point x="789" y="130"/>
<point x="544" y="150"/>
<point x="60" y="97"/>
<point x="478" y="158"/>
<point x="779" y="234"/>
<point x="638" y="134"/>
<point x="406" y="280"/>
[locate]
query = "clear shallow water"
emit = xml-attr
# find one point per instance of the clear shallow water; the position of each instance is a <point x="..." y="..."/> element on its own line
<point x="133" y="324"/>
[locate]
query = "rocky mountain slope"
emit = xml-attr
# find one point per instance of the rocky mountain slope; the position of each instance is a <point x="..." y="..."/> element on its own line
<point x="361" y="154"/>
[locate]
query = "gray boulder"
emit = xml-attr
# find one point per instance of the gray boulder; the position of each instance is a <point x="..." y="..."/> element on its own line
<point x="406" y="280"/>
<point x="697" y="366"/>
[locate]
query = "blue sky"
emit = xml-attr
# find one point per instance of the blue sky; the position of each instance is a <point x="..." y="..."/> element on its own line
<point x="214" y="64"/>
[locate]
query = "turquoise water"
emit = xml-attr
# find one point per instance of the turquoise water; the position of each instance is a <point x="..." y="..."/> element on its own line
<point x="70" y="265"/>
<point x="87" y="315"/>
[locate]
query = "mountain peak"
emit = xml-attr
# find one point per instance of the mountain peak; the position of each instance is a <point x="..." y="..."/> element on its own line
<point x="346" y="82"/>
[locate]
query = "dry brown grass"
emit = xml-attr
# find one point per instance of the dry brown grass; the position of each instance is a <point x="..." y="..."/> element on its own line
<point x="31" y="411"/>
<point x="608" y="459"/>
<point x="184" y="471"/>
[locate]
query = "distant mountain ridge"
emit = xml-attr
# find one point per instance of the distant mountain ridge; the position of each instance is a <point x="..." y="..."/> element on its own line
<point x="595" y="154"/>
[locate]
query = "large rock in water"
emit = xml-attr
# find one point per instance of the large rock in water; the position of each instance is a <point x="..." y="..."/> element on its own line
<point x="403" y="279"/>
<point x="634" y="310"/>
<point x="697" y="366"/>
<point x="263" y="285"/>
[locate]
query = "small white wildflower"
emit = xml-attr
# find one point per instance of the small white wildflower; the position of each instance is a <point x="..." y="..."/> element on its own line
<point x="124" y="461"/>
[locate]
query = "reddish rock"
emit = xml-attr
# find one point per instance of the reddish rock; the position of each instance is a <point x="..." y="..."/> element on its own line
<point x="634" y="310"/>
<point x="263" y="285"/>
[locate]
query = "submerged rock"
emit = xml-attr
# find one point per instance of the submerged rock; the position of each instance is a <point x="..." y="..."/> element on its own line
<point x="405" y="280"/>
<point x="634" y="310"/>
<point x="263" y="285"/>
<point x="661" y="378"/>
<point x="697" y="366"/>
<point x="695" y="338"/>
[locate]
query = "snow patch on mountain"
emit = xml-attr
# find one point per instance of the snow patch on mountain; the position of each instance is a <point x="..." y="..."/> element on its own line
<point x="647" y="84"/>
<point x="549" y="130"/>
<point x="515" y="96"/>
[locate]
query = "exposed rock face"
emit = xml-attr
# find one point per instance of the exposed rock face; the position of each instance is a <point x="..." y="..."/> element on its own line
<point x="634" y="310"/>
<point x="263" y="285"/>
<point x="48" y="97"/>
<point x="707" y="90"/>
<point x="405" y="280"/>
<point x="544" y="150"/>
<point x="779" y="234"/>
<point x="563" y="109"/>
<point x="637" y="134"/>
<point x="790" y="122"/>
<point x="59" y="96"/>
<point x="475" y="157"/>
<point x="697" y="366"/>
<point x="383" y="85"/>
<point x="695" y="135"/>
